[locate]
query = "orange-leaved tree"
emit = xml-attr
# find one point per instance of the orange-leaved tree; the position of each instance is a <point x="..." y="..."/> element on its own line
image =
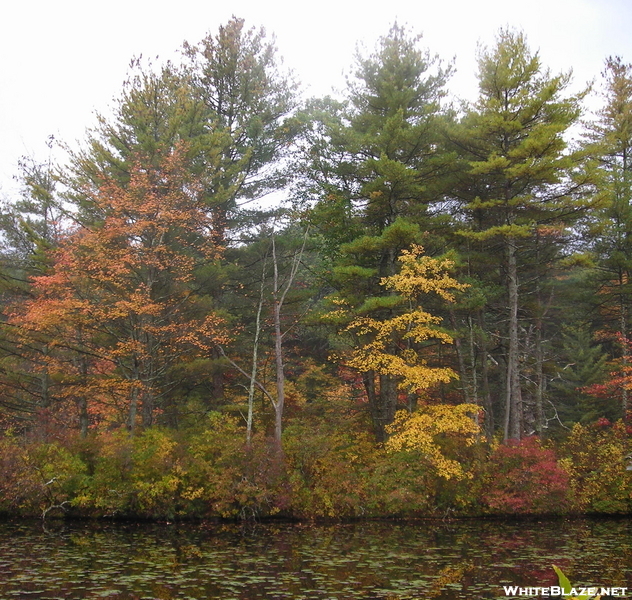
<point x="119" y="308"/>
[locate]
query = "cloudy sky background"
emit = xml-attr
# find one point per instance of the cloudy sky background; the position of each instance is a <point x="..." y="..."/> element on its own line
<point x="63" y="60"/>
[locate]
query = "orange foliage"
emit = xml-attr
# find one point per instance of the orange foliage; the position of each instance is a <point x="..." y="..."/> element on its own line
<point x="118" y="309"/>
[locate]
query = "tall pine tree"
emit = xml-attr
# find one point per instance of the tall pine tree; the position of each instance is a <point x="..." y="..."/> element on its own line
<point x="519" y="185"/>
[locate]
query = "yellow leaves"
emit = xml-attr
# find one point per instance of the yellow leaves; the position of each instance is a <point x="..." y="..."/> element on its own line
<point x="421" y="274"/>
<point x="421" y="430"/>
<point x="596" y="460"/>
<point x="391" y="346"/>
<point x="191" y="493"/>
<point x="377" y="355"/>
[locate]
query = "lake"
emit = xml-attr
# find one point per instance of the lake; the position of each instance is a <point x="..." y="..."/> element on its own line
<point x="367" y="560"/>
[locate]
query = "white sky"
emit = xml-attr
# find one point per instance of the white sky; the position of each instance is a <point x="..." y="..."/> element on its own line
<point x="62" y="60"/>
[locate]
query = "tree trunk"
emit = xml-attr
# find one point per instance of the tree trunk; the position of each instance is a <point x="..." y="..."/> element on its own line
<point x="133" y="409"/>
<point x="490" y="424"/>
<point x="253" y="372"/>
<point x="623" y="326"/>
<point x="474" y="378"/>
<point x="280" y="375"/>
<point x="388" y="404"/>
<point x="147" y="406"/>
<point x="368" y="378"/>
<point x="513" y="397"/>
<point x="279" y="299"/>
<point x="539" y="377"/>
<point x="458" y="346"/>
<point x="83" y="401"/>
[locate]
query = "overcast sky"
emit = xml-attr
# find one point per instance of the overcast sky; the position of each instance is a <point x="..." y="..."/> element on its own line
<point x="64" y="60"/>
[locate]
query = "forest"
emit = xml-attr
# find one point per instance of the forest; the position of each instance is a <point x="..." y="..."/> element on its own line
<point x="233" y="302"/>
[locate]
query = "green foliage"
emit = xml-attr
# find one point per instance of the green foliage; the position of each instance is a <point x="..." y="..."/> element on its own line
<point x="518" y="190"/>
<point x="39" y="478"/>
<point x="582" y="364"/>
<point x="125" y="317"/>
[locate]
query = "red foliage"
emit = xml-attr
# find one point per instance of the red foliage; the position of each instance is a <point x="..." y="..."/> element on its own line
<point x="525" y="478"/>
<point x="620" y="378"/>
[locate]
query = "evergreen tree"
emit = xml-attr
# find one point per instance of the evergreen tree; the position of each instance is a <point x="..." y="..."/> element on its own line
<point x="31" y="227"/>
<point x="581" y="364"/>
<point x="374" y="166"/>
<point x="228" y="99"/>
<point x="520" y="183"/>
<point x="611" y="230"/>
<point x="232" y="105"/>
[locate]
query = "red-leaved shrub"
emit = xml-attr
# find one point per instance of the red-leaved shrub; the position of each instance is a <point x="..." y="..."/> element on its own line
<point x="525" y="478"/>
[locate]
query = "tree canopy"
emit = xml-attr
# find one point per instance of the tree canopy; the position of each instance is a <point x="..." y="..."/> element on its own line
<point x="418" y="279"/>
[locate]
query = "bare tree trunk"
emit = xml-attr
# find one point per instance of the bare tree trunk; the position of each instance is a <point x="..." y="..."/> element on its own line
<point x="623" y="326"/>
<point x="278" y="296"/>
<point x="253" y="372"/>
<point x="513" y="397"/>
<point x="280" y="374"/>
<point x="490" y="418"/>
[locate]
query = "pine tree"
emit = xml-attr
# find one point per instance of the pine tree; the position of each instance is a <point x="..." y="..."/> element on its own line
<point x="518" y="177"/>
<point x="611" y="231"/>
<point x="373" y="166"/>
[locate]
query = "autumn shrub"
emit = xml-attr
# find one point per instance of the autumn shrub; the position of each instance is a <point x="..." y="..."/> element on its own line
<point x="596" y="457"/>
<point x="227" y="478"/>
<point x="147" y="475"/>
<point x="425" y="466"/>
<point x="137" y="476"/>
<point x="108" y="491"/>
<point x="401" y="484"/>
<point x="156" y="477"/>
<point x="62" y="472"/>
<point x="19" y="485"/>
<point x="328" y="469"/>
<point x="38" y="478"/>
<point x="162" y="473"/>
<point x="525" y="478"/>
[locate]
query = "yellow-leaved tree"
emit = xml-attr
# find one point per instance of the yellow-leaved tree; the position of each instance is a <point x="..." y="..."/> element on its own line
<point x="427" y="432"/>
<point x="393" y="335"/>
<point x="392" y="346"/>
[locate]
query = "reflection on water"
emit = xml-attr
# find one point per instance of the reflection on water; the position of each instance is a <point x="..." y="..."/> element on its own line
<point x="368" y="560"/>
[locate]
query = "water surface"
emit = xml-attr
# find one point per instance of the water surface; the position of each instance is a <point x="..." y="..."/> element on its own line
<point x="368" y="560"/>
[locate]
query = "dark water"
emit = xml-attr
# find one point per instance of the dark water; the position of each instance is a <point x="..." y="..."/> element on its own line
<point x="373" y="560"/>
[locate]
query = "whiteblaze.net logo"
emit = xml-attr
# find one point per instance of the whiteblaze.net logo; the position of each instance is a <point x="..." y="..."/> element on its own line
<point x="566" y="591"/>
<point x="585" y="593"/>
